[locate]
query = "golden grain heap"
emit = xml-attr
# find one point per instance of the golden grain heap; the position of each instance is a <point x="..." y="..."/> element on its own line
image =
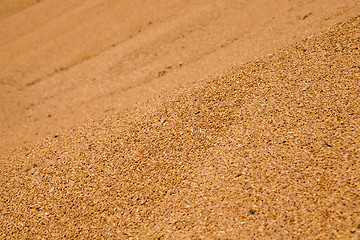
<point x="269" y="150"/>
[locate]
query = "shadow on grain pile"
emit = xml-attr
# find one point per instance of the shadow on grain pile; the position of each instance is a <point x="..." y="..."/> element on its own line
<point x="271" y="149"/>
